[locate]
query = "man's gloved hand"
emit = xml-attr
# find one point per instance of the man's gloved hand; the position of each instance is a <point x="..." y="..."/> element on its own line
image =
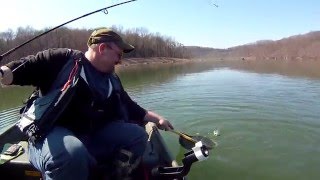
<point x="6" y="76"/>
<point x="1" y="73"/>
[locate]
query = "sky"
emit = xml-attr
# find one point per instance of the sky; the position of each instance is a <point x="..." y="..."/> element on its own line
<point x="190" y="22"/>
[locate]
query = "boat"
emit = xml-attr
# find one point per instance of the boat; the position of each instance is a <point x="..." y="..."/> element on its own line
<point x="158" y="162"/>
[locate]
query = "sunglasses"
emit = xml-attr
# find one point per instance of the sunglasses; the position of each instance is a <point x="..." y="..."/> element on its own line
<point x="120" y="54"/>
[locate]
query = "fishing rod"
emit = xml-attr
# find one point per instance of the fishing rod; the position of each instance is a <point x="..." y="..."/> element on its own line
<point x="105" y="10"/>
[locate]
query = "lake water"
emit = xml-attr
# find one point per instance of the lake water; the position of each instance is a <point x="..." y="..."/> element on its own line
<point x="267" y="114"/>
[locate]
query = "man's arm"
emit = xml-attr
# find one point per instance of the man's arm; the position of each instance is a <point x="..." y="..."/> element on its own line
<point x="38" y="70"/>
<point x="137" y="113"/>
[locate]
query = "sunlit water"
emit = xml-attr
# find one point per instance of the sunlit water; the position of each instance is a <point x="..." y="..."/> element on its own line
<point x="269" y="120"/>
<point x="269" y="123"/>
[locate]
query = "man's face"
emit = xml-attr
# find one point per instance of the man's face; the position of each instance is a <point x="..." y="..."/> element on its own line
<point x="111" y="55"/>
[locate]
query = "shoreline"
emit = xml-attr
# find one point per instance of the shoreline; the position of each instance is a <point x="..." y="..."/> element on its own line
<point x="156" y="61"/>
<point x="169" y="60"/>
<point x="291" y="67"/>
<point x="165" y="61"/>
<point x="153" y="60"/>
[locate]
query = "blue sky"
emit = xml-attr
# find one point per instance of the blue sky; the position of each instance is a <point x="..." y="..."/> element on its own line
<point x="190" y="22"/>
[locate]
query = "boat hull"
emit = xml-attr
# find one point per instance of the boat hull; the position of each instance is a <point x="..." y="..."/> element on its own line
<point x="156" y="154"/>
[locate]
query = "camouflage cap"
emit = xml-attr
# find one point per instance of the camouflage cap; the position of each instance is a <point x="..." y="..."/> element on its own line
<point x="102" y="35"/>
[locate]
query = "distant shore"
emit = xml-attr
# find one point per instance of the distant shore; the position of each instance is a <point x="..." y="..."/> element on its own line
<point x="131" y="62"/>
<point x="153" y="60"/>
<point x="293" y="67"/>
<point x="165" y="60"/>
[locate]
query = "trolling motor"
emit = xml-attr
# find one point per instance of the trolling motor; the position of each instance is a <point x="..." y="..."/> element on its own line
<point x="198" y="153"/>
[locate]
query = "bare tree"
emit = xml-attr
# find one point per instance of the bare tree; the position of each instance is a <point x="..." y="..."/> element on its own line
<point x="146" y="44"/>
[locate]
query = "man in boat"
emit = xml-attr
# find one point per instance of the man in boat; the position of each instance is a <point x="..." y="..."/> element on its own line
<point x="100" y="123"/>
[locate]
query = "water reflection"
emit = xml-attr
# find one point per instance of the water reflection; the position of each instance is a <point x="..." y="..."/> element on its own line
<point x="308" y="69"/>
<point x="162" y="73"/>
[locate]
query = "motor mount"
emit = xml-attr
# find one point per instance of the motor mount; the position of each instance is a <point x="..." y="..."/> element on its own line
<point x="198" y="153"/>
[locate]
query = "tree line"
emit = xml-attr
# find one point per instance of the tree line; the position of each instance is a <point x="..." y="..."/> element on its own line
<point x="298" y="47"/>
<point x="146" y="44"/>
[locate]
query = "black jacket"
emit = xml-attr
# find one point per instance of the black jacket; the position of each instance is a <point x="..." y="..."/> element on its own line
<point x="86" y="112"/>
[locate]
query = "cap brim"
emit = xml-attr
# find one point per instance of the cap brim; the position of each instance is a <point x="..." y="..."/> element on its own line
<point x="125" y="46"/>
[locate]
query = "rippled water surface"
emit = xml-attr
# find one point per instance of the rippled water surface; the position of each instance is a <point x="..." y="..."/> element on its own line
<point x="268" y="115"/>
<point x="269" y="121"/>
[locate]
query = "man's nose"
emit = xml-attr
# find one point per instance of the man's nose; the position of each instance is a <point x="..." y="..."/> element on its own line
<point x="118" y="61"/>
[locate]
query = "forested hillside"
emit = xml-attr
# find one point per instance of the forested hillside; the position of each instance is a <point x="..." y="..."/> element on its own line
<point x="298" y="47"/>
<point x="146" y="44"/>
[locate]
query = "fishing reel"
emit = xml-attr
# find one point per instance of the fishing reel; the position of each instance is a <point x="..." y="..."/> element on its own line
<point x="198" y="153"/>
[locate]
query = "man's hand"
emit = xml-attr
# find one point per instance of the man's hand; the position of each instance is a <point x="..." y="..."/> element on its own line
<point x="164" y="124"/>
<point x="161" y="122"/>
<point x="6" y="75"/>
<point x="1" y="73"/>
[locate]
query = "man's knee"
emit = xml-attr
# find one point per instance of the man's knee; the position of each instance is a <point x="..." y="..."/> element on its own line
<point x="60" y="153"/>
<point x="74" y="150"/>
<point x="64" y="146"/>
<point x="139" y="141"/>
<point x="141" y="133"/>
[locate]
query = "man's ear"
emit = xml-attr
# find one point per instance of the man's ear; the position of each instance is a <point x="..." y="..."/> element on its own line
<point x="102" y="48"/>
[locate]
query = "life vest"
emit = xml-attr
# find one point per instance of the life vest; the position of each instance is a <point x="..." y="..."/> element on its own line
<point x="42" y="112"/>
<point x="88" y="112"/>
